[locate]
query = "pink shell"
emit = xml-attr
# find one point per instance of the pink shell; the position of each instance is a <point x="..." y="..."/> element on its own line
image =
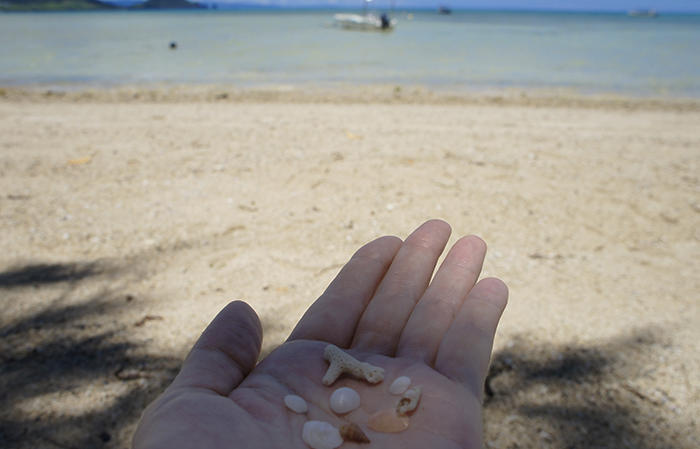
<point x="387" y="421"/>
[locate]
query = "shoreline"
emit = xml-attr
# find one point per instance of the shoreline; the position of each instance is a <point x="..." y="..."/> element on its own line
<point x="341" y="94"/>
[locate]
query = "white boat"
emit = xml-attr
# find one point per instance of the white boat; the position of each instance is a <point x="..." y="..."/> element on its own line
<point x="365" y="21"/>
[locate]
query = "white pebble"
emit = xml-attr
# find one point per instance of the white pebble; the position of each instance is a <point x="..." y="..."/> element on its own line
<point x="344" y="400"/>
<point x="295" y="403"/>
<point x="400" y="385"/>
<point x="321" y="435"/>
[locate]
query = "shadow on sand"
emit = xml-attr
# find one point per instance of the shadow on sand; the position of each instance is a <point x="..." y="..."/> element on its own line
<point x="537" y="395"/>
<point x="61" y="352"/>
<point x="48" y="273"/>
<point x="579" y="396"/>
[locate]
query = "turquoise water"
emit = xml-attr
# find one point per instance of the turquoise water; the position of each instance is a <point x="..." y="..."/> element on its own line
<point x="471" y="50"/>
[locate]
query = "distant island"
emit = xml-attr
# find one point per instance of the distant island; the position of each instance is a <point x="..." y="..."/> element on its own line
<point x="53" y="5"/>
<point x="167" y="4"/>
<point x="90" y="5"/>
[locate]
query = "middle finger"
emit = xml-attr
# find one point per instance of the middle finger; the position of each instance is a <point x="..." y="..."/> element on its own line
<point x="437" y="308"/>
<point x="381" y="323"/>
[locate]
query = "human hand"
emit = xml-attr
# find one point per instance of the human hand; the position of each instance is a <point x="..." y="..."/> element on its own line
<point x="385" y="309"/>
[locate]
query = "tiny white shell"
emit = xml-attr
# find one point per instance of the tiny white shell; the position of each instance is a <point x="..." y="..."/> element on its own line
<point x="400" y="385"/>
<point x="295" y="403"/>
<point x="321" y="435"/>
<point x="409" y="401"/>
<point x="344" y="400"/>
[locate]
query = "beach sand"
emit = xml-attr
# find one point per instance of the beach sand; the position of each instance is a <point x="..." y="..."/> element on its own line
<point x="131" y="216"/>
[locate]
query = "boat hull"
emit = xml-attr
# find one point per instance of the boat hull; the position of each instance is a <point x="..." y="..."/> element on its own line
<point x="368" y="22"/>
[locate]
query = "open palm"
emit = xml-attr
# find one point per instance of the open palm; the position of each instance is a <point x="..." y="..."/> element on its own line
<point x="385" y="309"/>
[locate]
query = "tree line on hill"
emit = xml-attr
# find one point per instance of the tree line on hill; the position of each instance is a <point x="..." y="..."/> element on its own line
<point x="87" y="5"/>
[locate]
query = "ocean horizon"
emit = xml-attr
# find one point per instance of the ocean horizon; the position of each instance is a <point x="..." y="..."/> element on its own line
<point x="588" y="52"/>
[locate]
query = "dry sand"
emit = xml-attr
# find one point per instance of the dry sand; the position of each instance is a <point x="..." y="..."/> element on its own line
<point x="129" y="217"/>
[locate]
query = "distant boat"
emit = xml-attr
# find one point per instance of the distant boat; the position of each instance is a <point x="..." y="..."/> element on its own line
<point x="643" y="13"/>
<point x="366" y="21"/>
<point x="444" y="10"/>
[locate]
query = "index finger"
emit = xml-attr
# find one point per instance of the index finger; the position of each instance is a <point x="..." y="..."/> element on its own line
<point x="334" y="316"/>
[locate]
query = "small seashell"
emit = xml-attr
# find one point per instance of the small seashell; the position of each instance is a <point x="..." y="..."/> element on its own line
<point x="387" y="421"/>
<point x="295" y="403"/>
<point x="400" y="385"/>
<point x="321" y="435"/>
<point x="352" y="432"/>
<point x="344" y="400"/>
<point x="409" y="401"/>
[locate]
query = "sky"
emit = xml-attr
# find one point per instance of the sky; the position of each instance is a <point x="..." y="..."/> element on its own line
<point x="575" y="5"/>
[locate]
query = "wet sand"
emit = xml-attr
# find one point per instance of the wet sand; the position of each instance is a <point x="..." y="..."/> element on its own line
<point x="130" y="216"/>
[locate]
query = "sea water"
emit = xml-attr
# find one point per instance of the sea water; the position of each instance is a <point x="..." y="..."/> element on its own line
<point x="470" y="50"/>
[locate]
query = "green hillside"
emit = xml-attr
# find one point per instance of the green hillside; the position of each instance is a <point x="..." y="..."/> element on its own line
<point x="85" y="5"/>
<point x="53" y="5"/>
<point x="167" y="4"/>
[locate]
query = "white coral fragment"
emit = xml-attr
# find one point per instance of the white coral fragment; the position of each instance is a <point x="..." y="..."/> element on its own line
<point x="409" y="401"/>
<point x="400" y="385"/>
<point x="344" y="400"/>
<point x="295" y="403"/>
<point x="341" y="362"/>
<point x="321" y="435"/>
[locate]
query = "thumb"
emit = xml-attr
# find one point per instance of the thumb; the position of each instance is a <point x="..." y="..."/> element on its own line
<point x="225" y="353"/>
